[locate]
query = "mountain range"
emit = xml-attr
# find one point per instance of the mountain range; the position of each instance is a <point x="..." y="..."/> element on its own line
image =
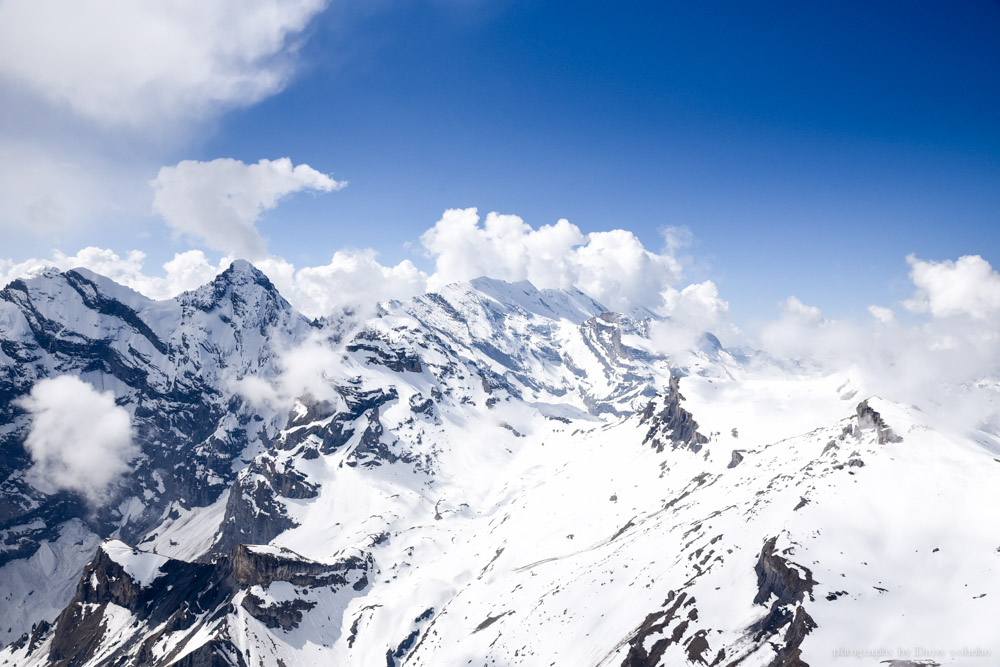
<point x="489" y="474"/>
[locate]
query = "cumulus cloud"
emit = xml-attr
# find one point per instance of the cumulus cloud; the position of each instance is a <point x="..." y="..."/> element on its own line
<point x="352" y="279"/>
<point x="884" y="315"/>
<point x="219" y="202"/>
<point x="801" y="331"/>
<point x="80" y="439"/>
<point x="186" y="271"/>
<point x="613" y="267"/>
<point x="303" y="371"/>
<point x="691" y="312"/>
<point x="968" y="287"/>
<point x="146" y="63"/>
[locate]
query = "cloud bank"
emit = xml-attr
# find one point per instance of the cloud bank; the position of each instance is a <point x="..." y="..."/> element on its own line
<point x="612" y="266"/>
<point x="79" y="439"/>
<point x="186" y="271"/>
<point x="948" y="361"/>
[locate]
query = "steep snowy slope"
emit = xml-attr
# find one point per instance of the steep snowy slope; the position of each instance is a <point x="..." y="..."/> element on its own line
<point x="495" y="474"/>
<point x="169" y="364"/>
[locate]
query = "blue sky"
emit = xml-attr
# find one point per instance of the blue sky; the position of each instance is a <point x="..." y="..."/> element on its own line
<point x="808" y="147"/>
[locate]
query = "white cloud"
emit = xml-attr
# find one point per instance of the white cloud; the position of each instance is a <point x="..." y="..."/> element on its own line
<point x="219" y="202"/>
<point x="692" y="311"/>
<point x="613" y="267"/>
<point x="97" y="94"/>
<point x="794" y="308"/>
<point x="801" y="331"/>
<point x="884" y="315"/>
<point x="967" y="287"/>
<point x="79" y="439"/>
<point x="304" y="370"/>
<point x="352" y="279"/>
<point x="186" y="271"/>
<point x="939" y="363"/>
<point x="145" y="63"/>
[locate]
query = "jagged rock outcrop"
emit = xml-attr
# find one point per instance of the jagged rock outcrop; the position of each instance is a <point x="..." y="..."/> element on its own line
<point x="788" y="584"/>
<point x="669" y="424"/>
<point x="163" y="598"/>
<point x="869" y="418"/>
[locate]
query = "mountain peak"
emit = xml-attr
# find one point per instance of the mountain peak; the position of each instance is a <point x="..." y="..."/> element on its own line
<point x="242" y="272"/>
<point x="241" y="283"/>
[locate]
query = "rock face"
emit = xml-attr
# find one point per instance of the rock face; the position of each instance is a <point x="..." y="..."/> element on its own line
<point x="788" y="584"/>
<point x="669" y="424"/>
<point x="491" y="472"/>
<point x="869" y="418"/>
<point x="736" y="459"/>
<point x="163" y="599"/>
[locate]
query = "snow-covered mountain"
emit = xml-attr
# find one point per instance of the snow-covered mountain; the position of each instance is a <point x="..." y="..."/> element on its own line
<point x="490" y="474"/>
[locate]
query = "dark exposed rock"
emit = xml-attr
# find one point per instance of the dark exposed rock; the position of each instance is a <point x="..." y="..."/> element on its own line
<point x="285" y="614"/>
<point x="380" y="352"/>
<point x="392" y="656"/>
<point x="696" y="647"/>
<point x="254" y="515"/>
<point x="287" y="483"/>
<point x="788" y="585"/>
<point x="188" y="430"/>
<point x="421" y="405"/>
<point x="490" y="620"/>
<point x="255" y="566"/>
<point x="31" y="640"/>
<point x="869" y="418"/>
<point x="177" y="598"/>
<point x="372" y="451"/>
<point x="790" y="654"/>
<point x="187" y="594"/>
<point x="736" y="459"/>
<point x="645" y="653"/>
<point x="331" y="427"/>
<point x="775" y="577"/>
<point x="670" y="424"/>
<point x="95" y="300"/>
